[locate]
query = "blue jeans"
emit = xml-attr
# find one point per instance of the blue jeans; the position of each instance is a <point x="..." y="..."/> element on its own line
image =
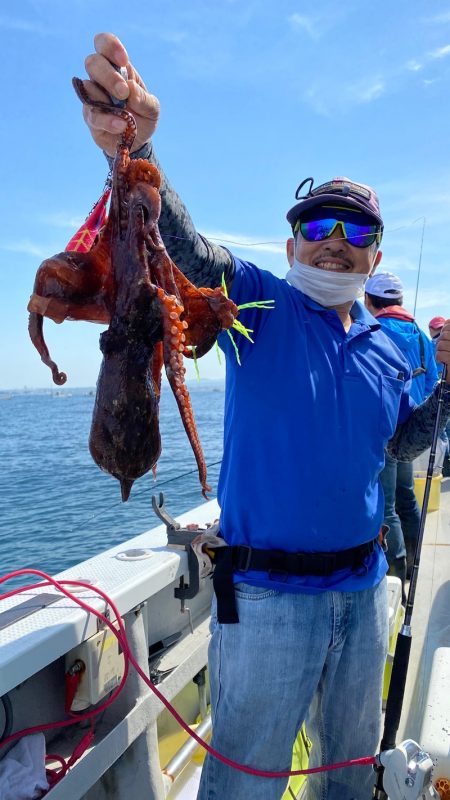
<point x="401" y="511"/>
<point x="295" y="657"/>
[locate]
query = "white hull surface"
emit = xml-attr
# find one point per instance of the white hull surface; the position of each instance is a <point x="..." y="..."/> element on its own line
<point x="426" y="708"/>
<point x="140" y="576"/>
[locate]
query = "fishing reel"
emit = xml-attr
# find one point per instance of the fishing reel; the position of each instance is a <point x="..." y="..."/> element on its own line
<point x="407" y="773"/>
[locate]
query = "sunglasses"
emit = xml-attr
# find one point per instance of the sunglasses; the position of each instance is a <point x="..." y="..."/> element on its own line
<point x="358" y="234"/>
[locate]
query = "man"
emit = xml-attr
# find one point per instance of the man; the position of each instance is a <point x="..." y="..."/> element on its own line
<point x="384" y="299"/>
<point x="307" y="418"/>
<point x="435" y="326"/>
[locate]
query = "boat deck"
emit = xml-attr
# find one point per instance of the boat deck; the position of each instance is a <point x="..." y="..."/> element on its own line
<point x="142" y="573"/>
<point x="430" y="622"/>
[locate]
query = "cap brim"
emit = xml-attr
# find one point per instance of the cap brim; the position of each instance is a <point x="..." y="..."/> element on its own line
<point x="348" y="202"/>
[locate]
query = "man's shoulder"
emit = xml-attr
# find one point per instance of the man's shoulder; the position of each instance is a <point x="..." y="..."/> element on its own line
<point x="405" y="333"/>
<point x="390" y="348"/>
<point x="397" y="323"/>
<point x="248" y="278"/>
<point x="247" y="268"/>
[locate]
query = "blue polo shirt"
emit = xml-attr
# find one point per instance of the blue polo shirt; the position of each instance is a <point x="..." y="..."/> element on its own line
<point x="307" y="416"/>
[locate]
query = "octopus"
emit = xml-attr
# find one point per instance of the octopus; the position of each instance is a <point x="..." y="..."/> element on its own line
<point x="155" y="317"/>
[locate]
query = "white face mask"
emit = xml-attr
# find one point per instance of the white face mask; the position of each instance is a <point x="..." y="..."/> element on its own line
<point x="327" y="288"/>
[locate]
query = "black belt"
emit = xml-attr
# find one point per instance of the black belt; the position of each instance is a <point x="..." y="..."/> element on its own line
<point x="279" y="565"/>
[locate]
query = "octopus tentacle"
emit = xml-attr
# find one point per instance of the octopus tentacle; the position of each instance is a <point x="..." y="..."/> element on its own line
<point x="36" y="330"/>
<point x="156" y="367"/>
<point x="173" y="342"/>
<point x="201" y="349"/>
<point x="207" y="311"/>
<point x="129" y="133"/>
<point x="156" y="363"/>
<point x="161" y="265"/>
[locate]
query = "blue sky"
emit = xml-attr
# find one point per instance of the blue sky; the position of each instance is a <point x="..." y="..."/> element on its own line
<point x="256" y="95"/>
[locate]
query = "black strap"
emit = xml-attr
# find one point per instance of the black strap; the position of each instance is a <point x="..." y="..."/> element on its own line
<point x="279" y="565"/>
<point x="224" y="586"/>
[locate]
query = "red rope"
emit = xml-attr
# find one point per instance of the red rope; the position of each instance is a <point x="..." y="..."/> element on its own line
<point x="129" y="658"/>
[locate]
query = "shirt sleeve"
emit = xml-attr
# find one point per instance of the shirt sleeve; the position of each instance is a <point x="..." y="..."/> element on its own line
<point x="415" y="434"/>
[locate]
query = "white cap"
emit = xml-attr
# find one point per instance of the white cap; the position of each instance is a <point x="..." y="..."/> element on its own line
<point x="384" y="284"/>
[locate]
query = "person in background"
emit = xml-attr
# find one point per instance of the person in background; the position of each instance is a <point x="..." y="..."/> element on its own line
<point x="299" y="623"/>
<point x="384" y="299"/>
<point x="435" y="326"/>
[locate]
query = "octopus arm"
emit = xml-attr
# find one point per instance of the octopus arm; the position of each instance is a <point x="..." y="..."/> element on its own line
<point x="35" y="328"/>
<point x="200" y="349"/>
<point x="59" y="310"/>
<point x="156" y="367"/>
<point x="173" y="346"/>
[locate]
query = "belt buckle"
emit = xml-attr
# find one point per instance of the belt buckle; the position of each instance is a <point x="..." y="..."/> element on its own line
<point x="248" y="558"/>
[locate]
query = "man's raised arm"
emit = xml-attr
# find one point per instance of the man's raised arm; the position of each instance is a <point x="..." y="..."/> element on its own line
<point x="201" y="261"/>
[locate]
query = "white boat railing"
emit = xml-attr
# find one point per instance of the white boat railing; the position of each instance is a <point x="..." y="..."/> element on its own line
<point x="139" y="576"/>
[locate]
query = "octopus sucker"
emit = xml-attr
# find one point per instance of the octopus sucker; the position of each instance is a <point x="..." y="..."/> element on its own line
<point x="128" y="281"/>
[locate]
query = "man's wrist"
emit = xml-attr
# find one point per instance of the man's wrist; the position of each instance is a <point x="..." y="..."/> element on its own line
<point x="145" y="151"/>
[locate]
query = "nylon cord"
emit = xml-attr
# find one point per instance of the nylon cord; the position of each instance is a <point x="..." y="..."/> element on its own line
<point x="283" y="242"/>
<point x="137" y="494"/>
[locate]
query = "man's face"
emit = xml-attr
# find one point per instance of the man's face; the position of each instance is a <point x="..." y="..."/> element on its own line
<point x="335" y="253"/>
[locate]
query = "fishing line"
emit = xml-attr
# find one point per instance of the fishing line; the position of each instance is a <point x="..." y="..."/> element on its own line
<point x="420" y="262"/>
<point x="158" y="484"/>
<point x="283" y="242"/>
<point x="138" y="494"/>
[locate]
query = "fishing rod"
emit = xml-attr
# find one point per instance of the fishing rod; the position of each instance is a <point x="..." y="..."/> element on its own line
<point x="404" y="640"/>
<point x="420" y="264"/>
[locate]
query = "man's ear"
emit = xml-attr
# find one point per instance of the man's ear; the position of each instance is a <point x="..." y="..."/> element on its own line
<point x="377" y="260"/>
<point x="290" y="250"/>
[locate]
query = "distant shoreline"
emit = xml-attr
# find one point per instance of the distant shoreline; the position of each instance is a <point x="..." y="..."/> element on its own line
<point x="192" y="384"/>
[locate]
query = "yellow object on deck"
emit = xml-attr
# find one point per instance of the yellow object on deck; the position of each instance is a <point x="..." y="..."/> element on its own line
<point x="434" y="499"/>
<point x="300" y="758"/>
<point x="396" y="616"/>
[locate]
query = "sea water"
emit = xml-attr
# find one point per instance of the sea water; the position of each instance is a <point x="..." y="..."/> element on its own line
<point x="57" y="507"/>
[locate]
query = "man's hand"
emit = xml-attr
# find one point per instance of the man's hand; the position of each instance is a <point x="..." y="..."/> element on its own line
<point x="443" y="348"/>
<point x="106" y="128"/>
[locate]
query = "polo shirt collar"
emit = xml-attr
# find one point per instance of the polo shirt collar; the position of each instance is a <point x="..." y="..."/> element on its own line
<point x="358" y="312"/>
<point x="361" y="315"/>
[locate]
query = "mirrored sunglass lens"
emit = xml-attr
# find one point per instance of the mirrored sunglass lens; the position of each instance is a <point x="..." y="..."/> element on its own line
<point x="357" y="235"/>
<point x="360" y="235"/>
<point x="316" y="230"/>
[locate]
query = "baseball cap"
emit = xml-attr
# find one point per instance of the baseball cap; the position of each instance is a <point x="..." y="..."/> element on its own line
<point x="384" y="284"/>
<point x="349" y="193"/>
<point x="436" y="322"/>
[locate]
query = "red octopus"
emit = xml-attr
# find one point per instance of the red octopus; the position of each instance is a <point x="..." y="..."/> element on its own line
<point x="155" y="316"/>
